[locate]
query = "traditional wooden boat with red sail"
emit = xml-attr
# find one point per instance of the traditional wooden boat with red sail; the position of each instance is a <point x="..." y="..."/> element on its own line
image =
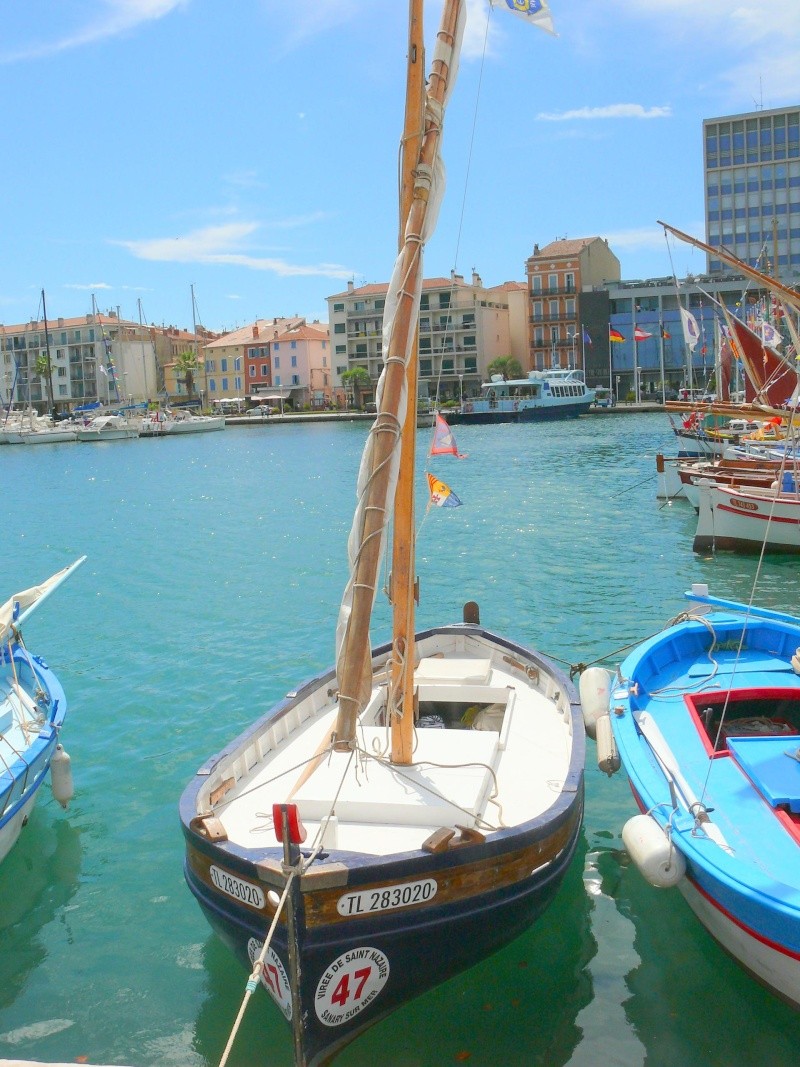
<point x="405" y="814"/>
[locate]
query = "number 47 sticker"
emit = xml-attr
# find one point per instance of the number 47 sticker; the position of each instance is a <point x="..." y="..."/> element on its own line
<point x="349" y="984"/>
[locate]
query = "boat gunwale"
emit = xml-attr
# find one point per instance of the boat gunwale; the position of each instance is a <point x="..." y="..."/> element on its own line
<point x="496" y="843"/>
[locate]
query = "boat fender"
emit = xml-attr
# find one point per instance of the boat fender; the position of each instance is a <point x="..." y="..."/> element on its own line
<point x="61" y="776"/>
<point x="658" y="861"/>
<point x="796" y="661"/>
<point x="607" y="754"/>
<point x="595" y="693"/>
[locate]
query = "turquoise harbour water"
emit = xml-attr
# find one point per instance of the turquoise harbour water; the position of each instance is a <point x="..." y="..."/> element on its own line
<point x="215" y="569"/>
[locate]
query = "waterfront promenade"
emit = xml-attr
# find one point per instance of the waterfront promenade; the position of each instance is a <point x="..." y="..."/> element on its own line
<point x="369" y="416"/>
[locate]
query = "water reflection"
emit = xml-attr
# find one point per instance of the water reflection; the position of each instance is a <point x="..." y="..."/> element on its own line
<point x="37" y="878"/>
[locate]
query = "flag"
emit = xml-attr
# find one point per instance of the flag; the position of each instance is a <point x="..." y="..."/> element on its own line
<point x="691" y="332"/>
<point x="639" y="334"/>
<point x="536" y="12"/>
<point x="769" y="335"/>
<point x="442" y="496"/>
<point x="614" y="335"/>
<point x="665" y="334"/>
<point x="102" y="369"/>
<point x="586" y="338"/>
<point x="443" y="443"/>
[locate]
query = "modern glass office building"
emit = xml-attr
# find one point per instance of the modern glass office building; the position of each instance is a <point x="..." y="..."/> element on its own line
<point x="752" y="196"/>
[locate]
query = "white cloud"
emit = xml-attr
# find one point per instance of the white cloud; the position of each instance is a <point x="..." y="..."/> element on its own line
<point x="609" y="111"/>
<point x="224" y="245"/>
<point x="110" y="18"/>
<point x="647" y="238"/>
<point x="91" y="286"/>
<point x="758" y="41"/>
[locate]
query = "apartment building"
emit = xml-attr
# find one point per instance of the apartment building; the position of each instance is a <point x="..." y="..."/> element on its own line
<point x="463" y="326"/>
<point x="566" y="302"/>
<point x="93" y="357"/>
<point x="295" y="367"/>
<point x="751" y="166"/>
<point x="282" y="358"/>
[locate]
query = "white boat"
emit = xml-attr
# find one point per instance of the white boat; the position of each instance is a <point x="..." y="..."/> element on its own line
<point x="32" y="712"/>
<point x="108" y="428"/>
<point x="554" y="394"/>
<point x="438" y="777"/>
<point x="51" y="434"/>
<point x="744" y="520"/>
<point x="166" y="423"/>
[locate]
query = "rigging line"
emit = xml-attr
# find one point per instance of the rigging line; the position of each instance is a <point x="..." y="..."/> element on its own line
<point x="464" y="194"/>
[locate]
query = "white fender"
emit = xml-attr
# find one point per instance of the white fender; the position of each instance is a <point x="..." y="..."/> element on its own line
<point x="595" y="693"/>
<point x="61" y="776"/>
<point x="659" y="862"/>
<point x="607" y="753"/>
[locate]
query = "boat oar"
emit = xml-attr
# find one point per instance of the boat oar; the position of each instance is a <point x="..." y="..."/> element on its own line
<point x="669" y="765"/>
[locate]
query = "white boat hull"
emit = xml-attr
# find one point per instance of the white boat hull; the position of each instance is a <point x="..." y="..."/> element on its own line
<point x="777" y="970"/>
<point x="10" y="830"/>
<point x="744" y="521"/>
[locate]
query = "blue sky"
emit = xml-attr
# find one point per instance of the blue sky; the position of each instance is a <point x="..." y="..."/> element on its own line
<point x="249" y="148"/>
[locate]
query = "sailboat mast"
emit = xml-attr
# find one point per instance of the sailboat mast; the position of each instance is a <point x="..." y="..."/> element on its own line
<point x="378" y="468"/>
<point x="403" y="581"/>
<point x="47" y="350"/>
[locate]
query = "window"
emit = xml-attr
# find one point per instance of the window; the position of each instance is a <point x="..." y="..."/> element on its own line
<point x="536" y="283"/>
<point x="277" y="379"/>
<point x="237" y="363"/>
<point x="212" y="386"/>
<point x="339" y="327"/>
<point x="223" y="365"/>
<point x="225" y="383"/>
<point x="295" y="379"/>
<point x="569" y="280"/>
<point x="251" y="371"/>
<point x="264" y="370"/>
<point x="338" y="307"/>
<point x="276" y="362"/>
<point x="294" y="361"/>
<point x="552" y="281"/>
<point x="294" y="344"/>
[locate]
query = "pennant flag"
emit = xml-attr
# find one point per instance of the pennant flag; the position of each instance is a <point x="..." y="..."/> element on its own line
<point x="769" y="335"/>
<point x="536" y="12"/>
<point x="640" y="334"/>
<point x="665" y="334"/>
<point x="444" y="444"/>
<point x="102" y="369"/>
<point x="691" y="331"/>
<point x="442" y="496"/>
<point x="586" y="338"/>
<point x="614" y="335"/>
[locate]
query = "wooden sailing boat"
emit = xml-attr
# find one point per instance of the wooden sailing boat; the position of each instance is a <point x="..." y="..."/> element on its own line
<point x="427" y="794"/>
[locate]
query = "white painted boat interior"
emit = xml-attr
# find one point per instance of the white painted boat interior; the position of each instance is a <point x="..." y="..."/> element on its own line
<point x="492" y="749"/>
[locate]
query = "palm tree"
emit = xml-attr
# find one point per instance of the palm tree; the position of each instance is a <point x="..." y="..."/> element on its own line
<point x="358" y="379"/>
<point x="508" y="366"/>
<point x="185" y="367"/>
<point x="44" y="371"/>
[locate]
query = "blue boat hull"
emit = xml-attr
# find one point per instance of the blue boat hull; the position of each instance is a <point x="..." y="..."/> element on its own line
<point x="21" y="778"/>
<point x="718" y="778"/>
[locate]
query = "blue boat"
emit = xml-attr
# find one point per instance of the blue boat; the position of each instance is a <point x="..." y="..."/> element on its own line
<point x="543" y="395"/>
<point x="705" y="720"/>
<point x="32" y="711"/>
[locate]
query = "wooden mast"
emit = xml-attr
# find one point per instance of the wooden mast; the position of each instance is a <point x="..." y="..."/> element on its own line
<point x="403" y="583"/>
<point x="355" y="672"/>
<point x="788" y="295"/>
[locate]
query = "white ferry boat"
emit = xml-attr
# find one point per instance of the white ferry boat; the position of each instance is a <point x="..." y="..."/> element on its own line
<point x="554" y="394"/>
